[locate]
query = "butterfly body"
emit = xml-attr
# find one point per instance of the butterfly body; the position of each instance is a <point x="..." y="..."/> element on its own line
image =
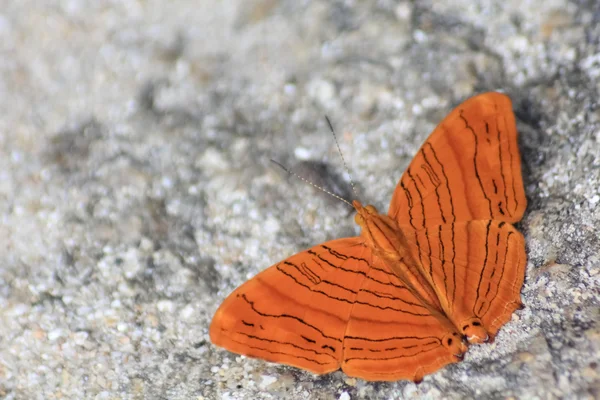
<point x="388" y="243"/>
<point x="443" y="269"/>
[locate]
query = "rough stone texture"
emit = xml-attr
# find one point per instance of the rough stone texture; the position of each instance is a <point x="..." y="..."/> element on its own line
<point x="136" y="190"/>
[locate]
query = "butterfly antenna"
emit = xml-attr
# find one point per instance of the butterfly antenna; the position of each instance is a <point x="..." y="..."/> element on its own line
<point x="341" y="154"/>
<point x="311" y="184"/>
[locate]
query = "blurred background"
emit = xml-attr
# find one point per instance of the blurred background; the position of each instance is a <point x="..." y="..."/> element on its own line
<point x="136" y="190"/>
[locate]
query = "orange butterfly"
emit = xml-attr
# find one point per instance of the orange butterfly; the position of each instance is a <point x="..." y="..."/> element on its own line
<point x="443" y="269"/>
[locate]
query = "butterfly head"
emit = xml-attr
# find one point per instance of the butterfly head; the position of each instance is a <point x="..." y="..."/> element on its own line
<point x="455" y="344"/>
<point x="364" y="215"/>
<point x="362" y="210"/>
<point x="474" y="331"/>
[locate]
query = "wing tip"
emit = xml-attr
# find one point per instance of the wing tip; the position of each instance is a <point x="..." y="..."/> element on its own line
<point x="498" y="99"/>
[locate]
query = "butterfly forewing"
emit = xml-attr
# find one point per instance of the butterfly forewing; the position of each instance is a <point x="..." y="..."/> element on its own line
<point x="468" y="169"/>
<point x="455" y="203"/>
<point x="295" y="312"/>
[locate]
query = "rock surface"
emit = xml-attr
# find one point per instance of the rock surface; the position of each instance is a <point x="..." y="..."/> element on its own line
<point x="136" y="189"/>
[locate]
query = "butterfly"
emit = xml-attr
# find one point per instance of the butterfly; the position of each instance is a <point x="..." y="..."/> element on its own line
<point x="443" y="269"/>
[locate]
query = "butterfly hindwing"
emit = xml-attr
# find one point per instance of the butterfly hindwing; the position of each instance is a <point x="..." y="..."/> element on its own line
<point x="392" y="335"/>
<point x="476" y="267"/>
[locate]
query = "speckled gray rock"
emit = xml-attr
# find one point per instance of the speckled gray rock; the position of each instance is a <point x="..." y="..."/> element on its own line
<point x="136" y="189"/>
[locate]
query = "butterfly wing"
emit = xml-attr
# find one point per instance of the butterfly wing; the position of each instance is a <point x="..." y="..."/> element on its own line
<point x="296" y="311"/>
<point x="391" y="335"/>
<point x="336" y="305"/>
<point x="468" y="169"/>
<point x="477" y="268"/>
